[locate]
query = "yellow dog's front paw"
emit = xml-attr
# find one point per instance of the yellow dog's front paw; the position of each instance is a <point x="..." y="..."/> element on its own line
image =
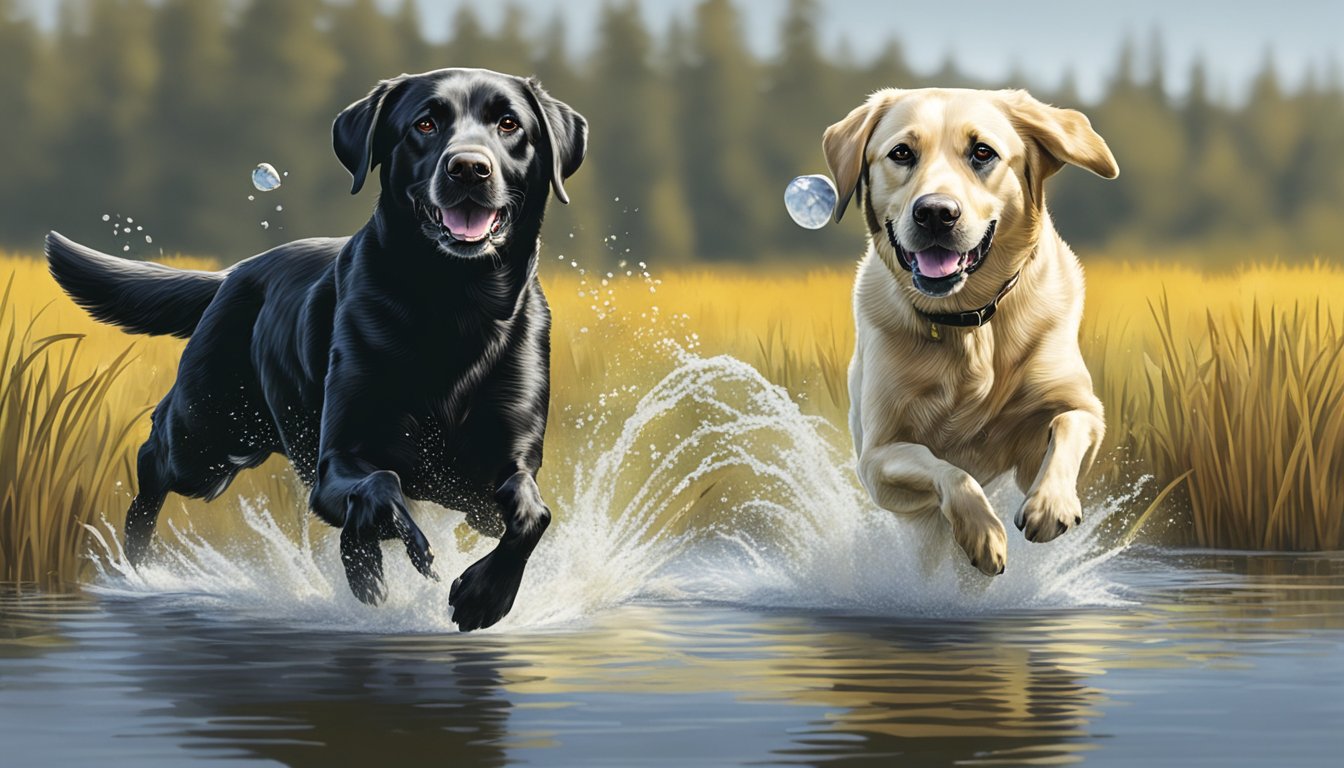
<point x="1045" y="515"/>
<point x="978" y="531"/>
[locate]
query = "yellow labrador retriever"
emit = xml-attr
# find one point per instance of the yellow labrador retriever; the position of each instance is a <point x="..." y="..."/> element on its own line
<point x="942" y="399"/>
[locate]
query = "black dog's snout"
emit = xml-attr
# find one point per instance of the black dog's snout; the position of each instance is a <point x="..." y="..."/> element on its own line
<point x="469" y="166"/>
<point x="936" y="212"/>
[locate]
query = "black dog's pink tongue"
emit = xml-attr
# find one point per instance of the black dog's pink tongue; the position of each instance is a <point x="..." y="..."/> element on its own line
<point x="468" y="221"/>
<point x="937" y="262"/>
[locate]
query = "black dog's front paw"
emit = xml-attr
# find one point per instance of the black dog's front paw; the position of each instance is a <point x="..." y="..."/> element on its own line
<point x="363" y="561"/>
<point x="484" y="593"/>
<point x="376" y="510"/>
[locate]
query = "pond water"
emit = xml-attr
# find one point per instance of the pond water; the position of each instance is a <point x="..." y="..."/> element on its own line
<point x="1207" y="659"/>
<point x="716" y="590"/>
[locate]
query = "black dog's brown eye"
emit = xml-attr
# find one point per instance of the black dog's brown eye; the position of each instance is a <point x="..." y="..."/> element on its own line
<point x="982" y="154"/>
<point x="901" y="155"/>
<point x="508" y="124"/>
<point x="424" y="125"/>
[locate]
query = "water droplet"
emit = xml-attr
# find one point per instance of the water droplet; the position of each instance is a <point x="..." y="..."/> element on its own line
<point x="129" y="220"/>
<point x="148" y="239"/>
<point x="810" y="200"/>
<point x="139" y="228"/>
<point x="127" y="230"/>
<point x="106" y="217"/>
<point x="125" y="248"/>
<point x="279" y="207"/>
<point x="265" y="178"/>
<point x="286" y="173"/>
<point x="251" y="197"/>
<point x="265" y="225"/>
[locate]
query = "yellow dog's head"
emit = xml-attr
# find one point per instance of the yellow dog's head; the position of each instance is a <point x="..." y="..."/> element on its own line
<point x="955" y="176"/>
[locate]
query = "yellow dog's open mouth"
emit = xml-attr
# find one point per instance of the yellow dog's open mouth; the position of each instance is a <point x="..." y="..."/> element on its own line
<point x="939" y="271"/>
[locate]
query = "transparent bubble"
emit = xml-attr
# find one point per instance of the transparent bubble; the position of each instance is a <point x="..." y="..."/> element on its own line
<point x="810" y="200"/>
<point x="265" y="177"/>
<point x="265" y="225"/>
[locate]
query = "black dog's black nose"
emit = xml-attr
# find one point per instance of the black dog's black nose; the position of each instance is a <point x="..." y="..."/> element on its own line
<point x="936" y="212"/>
<point x="469" y="166"/>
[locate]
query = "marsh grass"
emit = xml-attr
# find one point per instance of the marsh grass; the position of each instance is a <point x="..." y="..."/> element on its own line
<point x="54" y="415"/>
<point x="1233" y="378"/>
<point x="1254" y="410"/>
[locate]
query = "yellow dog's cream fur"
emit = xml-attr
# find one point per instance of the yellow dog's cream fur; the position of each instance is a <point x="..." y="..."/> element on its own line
<point x="936" y="412"/>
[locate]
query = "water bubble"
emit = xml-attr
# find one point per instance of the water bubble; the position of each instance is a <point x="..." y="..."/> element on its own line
<point x="125" y="248"/>
<point x="129" y="220"/>
<point x="148" y="239"/>
<point x="279" y="207"/>
<point x="127" y="230"/>
<point x="106" y="217"/>
<point x="810" y="200"/>
<point x="251" y="197"/>
<point x="265" y="225"/>
<point x="265" y="177"/>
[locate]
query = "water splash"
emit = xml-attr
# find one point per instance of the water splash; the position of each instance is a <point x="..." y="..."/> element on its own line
<point x="265" y="178"/>
<point x="756" y="503"/>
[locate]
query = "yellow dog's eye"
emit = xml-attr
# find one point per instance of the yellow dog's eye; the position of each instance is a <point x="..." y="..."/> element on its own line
<point x="424" y="125"/>
<point x="982" y="154"/>
<point x="901" y="154"/>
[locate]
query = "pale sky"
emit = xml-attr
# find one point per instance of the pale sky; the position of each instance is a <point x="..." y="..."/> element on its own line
<point x="1041" y="39"/>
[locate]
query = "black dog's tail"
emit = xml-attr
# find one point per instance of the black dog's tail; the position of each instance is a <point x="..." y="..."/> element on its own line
<point x="138" y="296"/>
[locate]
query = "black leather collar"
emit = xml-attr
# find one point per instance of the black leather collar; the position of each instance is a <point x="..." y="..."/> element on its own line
<point x="971" y="318"/>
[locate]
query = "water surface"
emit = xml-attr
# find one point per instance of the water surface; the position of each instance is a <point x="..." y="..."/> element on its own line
<point x="1219" y="660"/>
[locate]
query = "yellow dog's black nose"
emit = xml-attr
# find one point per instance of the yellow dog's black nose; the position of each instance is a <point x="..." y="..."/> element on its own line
<point x="936" y="212"/>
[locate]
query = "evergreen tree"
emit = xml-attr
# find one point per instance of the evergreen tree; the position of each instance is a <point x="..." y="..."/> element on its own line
<point x="574" y="231"/>
<point x="638" y="173"/>
<point x="803" y="95"/>
<point x="189" y="109"/>
<point x="413" y="50"/>
<point x="469" y="44"/>
<point x="283" y="72"/>
<point x="719" y="98"/>
<point x="24" y="173"/>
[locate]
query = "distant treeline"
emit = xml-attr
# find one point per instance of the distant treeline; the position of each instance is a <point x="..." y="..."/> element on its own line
<point x="159" y="110"/>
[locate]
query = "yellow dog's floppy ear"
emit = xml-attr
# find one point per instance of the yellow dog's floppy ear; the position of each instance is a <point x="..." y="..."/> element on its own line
<point x="1064" y="135"/>
<point x="844" y="145"/>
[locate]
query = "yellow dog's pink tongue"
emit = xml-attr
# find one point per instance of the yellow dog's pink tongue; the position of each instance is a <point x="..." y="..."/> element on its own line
<point x="937" y="262"/>
<point x="468" y="221"/>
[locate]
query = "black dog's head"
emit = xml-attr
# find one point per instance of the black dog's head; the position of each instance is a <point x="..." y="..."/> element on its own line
<point x="468" y="152"/>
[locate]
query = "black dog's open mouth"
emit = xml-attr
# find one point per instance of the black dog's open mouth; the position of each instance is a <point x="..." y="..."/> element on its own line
<point x="465" y="223"/>
<point x="939" y="271"/>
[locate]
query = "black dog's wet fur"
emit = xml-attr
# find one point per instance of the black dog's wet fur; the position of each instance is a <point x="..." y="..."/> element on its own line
<point x="384" y="367"/>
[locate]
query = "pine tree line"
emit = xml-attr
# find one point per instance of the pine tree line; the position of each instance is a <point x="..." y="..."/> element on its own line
<point x="159" y="110"/>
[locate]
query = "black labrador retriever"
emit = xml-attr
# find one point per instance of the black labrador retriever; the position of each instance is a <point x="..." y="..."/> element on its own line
<point x="409" y="360"/>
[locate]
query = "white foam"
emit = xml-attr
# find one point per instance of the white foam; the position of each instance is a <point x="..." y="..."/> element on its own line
<point x="795" y="530"/>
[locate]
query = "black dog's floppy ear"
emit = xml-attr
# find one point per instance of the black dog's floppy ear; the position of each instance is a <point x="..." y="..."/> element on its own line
<point x="566" y="136"/>
<point x="359" y="133"/>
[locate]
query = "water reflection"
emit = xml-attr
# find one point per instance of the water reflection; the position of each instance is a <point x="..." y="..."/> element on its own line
<point x="141" y="682"/>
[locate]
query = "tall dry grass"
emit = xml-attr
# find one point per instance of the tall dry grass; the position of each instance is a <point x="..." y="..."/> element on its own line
<point x="1225" y="381"/>
<point x="55" y="416"/>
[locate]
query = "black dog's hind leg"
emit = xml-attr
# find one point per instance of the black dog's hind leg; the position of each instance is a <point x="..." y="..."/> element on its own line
<point x="484" y="593"/>
<point x="144" y="511"/>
